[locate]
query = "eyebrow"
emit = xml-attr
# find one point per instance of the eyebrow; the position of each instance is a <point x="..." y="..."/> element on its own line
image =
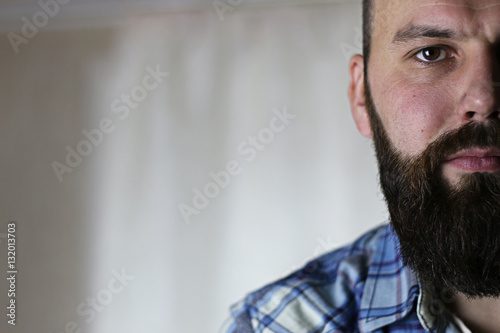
<point x="413" y="32"/>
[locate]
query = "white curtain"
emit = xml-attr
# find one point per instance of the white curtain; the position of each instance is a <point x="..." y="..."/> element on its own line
<point x="256" y="99"/>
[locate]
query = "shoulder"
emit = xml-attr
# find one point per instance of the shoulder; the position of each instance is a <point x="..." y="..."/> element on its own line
<point x="324" y="294"/>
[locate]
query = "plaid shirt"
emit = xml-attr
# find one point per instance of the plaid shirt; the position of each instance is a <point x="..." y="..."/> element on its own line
<point x="363" y="287"/>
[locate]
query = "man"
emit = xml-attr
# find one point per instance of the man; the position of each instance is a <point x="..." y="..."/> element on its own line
<point x="426" y="91"/>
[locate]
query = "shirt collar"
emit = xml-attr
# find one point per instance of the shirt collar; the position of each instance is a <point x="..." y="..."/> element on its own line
<point x="390" y="288"/>
<point x="432" y="313"/>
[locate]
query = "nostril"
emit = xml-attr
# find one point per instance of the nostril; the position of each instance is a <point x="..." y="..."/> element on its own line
<point x="495" y="114"/>
<point x="470" y="114"/>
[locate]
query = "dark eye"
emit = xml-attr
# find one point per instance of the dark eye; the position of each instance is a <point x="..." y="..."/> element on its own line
<point x="431" y="54"/>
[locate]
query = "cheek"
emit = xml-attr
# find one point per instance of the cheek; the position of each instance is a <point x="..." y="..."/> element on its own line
<point x="418" y="116"/>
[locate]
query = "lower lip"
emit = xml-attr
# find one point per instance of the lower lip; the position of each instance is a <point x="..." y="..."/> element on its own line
<point x="476" y="164"/>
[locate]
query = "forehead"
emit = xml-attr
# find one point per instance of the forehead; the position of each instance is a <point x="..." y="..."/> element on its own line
<point x="467" y="17"/>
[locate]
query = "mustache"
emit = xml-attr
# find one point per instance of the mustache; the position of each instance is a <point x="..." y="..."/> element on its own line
<point x="484" y="135"/>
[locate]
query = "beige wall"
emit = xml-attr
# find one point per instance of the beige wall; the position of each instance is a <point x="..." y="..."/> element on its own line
<point x="313" y="187"/>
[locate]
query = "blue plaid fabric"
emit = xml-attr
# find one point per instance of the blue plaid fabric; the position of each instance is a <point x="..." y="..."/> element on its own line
<point x="362" y="287"/>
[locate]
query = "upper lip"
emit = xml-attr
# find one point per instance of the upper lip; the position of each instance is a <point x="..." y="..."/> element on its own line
<point x="476" y="152"/>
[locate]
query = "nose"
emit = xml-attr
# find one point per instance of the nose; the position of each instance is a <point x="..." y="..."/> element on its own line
<point x="481" y="98"/>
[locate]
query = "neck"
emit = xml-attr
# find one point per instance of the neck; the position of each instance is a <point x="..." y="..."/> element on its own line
<point x="480" y="315"/>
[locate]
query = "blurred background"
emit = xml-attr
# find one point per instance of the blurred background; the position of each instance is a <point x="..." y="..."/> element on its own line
<point x="161" y="159"/>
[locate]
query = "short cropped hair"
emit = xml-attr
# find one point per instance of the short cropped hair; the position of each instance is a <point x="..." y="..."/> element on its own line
<point x="367" y="29"/>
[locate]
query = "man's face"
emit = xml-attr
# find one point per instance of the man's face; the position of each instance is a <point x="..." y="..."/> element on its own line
<point x="431" y="104"/>
<point x="434" y="66"/>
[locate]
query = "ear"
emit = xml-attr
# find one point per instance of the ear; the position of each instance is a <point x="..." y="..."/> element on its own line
<point x="357" y="96"/>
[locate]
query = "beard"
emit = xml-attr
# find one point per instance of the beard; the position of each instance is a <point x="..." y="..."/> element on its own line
<point x="449" y="235"/>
